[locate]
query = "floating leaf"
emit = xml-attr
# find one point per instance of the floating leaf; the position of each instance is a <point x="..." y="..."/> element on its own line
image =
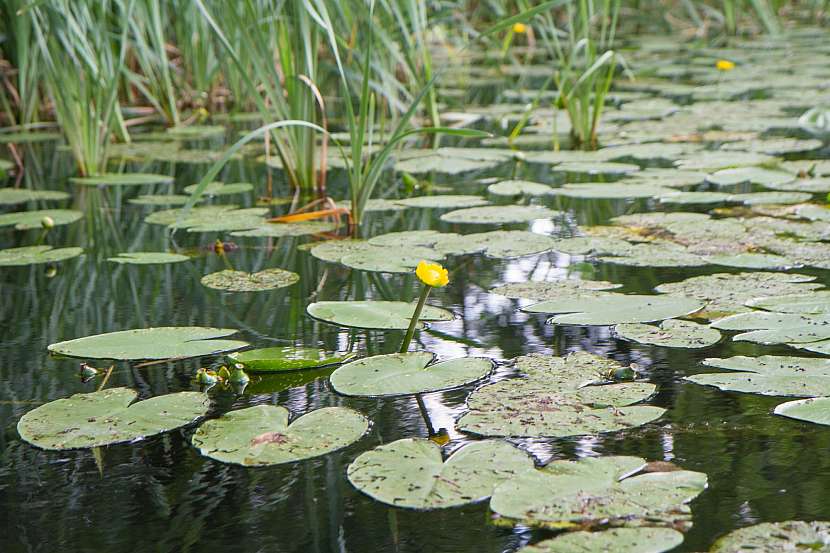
<point x="13" y="196"/>
<point x="33" y="255"/>
<point x="445" y="201"/>
<point x="261" y="435"/>
<point x="595" y="168"/>
<point x="753" y="175"/>
<point x="770" y="198"/>
<point x="122" y="179"/>
<point x="147" y="258"/>
<point x="811" y="186"/>
<point x="553" y="289"/>
<point x="776" y="537"/>
<point x="814" y="303"/>
<point x="375" y="205"/>
<point x="388" y="260"/>
<point x="211" y="218"/>
<point x="172" y="342"/>
<point x="610" y="308"/>
<point x="406" y="373"/>
<point x="160" y="199"/>
<point x="108" y="417"/>
<point x="751" y="261"/>
<point x="769" y="375"/>
<point x="520" y="188"/>
<point x="611" y="190"/>
<point x="598" y="489"/>
<point x="281" y="359"/>
<point x="815" y="410"/>
<point x="777" y="328"/>
<point x="278" y="230"/>
<point x="694" y="197"/>
<point x="27" y="220"/>
<point x="670" y="334"/>
<point x="499" y="214"/>
<point x="240" y="281"/>
<point x="618" y="540"/>
<point x="560" y="397"/>
<point x="221" y="188"/>
<point x="500" y="244"/>
<point x="380" y="315"/>
<point x="411" y="473"/>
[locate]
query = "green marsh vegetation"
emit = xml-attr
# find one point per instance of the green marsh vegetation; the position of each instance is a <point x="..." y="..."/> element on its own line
<point x="389" y="275"/>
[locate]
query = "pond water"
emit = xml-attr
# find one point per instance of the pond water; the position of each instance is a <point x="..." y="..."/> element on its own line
<point x="161" y="494"/>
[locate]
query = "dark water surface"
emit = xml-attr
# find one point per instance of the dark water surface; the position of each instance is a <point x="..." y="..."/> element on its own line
<point x="161" y="495"/>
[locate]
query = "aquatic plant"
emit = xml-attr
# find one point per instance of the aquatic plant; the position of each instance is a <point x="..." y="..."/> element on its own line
<point x="432" y="275"/>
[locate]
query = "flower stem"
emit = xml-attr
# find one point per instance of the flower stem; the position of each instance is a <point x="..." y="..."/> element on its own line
<point x="410" y="332"/>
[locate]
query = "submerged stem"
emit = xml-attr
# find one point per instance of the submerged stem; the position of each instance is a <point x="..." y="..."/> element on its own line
<point x="410" y="332"/>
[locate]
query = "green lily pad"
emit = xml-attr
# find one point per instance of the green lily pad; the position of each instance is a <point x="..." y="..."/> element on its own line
<point x="147" y="258"/>
<point x="279" y="230"/>
<point x="376" y="205"/>
<point x="33" y="255"/>
<point x="499" y="214"/>
<point x="553" y="289"/>
<point x="262" y="436"/>
<point x="443" y="201"/>
<point x="108" y="417"/>
<point x="777" y="328"/>
<point x="406" y="373"/>
<point x="813" y="303"/>
<point x="610" y="309"/>
<point x="172" y="342"/>
<point x="597" y="489"/>
<point x="595" y="168"/>
<point x="388" y="260"/>
<point x="221" y="188"/>
<point x="211" y="218"/>
<point x="769" y="375"/>
<point x="451" y="161"/>
<point x="675" y="197"/>
<point x="611" y="190"/>
<point x="334" y="250"/>
<point x="240" y="281"/>
<point x="559" y="397"/>
<point x="776" y="537"/>
<point x="13" y="196"/>
<point x="412" y="474"/>
<point x="754" y="175"/>
<point x="618" y="540"/>
<point x="520" y="188"/>
<point x="811" y="186"/>
<point x="282" y="359"/>
<point x="751" y="261"/>
<point x="726" y="293"/>
<point x="499" y="244"/>
<point x="815" y="410"/>
<point x="762" y="198"/>
<point x="28" y="220"/>
<point x="122" y="179"/>
<point x="272" y="383"/>
<point x="160" y="199"/>
<point x="670" y="334"/>
<point x="775" y="147"/>
<point x="379" y="315"/>
<point x="714" y="161"/>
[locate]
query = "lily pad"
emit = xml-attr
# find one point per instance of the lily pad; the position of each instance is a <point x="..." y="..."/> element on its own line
<point x="595" y="168"/>
<point x="282" y="359"/>
<point x="406" y="373"/>
<point x="767" y="327"/>
<point x="13" y="196"/>
<point x="552" y="289"/>
<point x="499" y="244"/>
<point x="559" y="397"/>
<point x="618" y="540"/>
<point x="108" y="417"/>
<point x="412" y="474"/>
<point x="160" y="199"/>
<point x="814" y="303"/>
<point x="221" y="188"/>
<point x="262" y="436"/>
<point x="611" y="190"/>
<point x="443" y="201"/>
<point x="147" y="258"/>
<point x="610" y="309"/>
<point x="675" y="197"/>
<point x="775" y="537"/>
<point x="754" y="175"/>
<point x="598" y="489"/>
<point x="240" y="281"/>
<point x="499" y="214"/>
<point x="769" y="375"/>
<point x="122" y="179"/>
<point x="279" y="230"/>
<point x="27" y="220"/>
<point x="520" y="188"/>
<point x="762" y="198"/>
<point x="33" y="255"/>
<point x="211" y="218"/>
<point x="815" y="410"/>
<point x="379" y="315"/>
<point x="171" y="342"/>
<point x="751" y="261"/>
<point x="670" y="334"/>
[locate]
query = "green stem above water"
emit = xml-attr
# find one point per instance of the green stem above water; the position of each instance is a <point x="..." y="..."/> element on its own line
<point x="410" y="332"/>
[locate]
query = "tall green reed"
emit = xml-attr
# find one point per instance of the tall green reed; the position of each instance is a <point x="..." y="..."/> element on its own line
<point x="83" y="45"/>
<point x="21" y="95"/>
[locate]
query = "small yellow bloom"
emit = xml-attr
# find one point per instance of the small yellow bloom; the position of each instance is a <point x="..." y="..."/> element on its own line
<point x="432" y="274"/>
<point x="725" y="65"/>
<point x="519" y="28"/>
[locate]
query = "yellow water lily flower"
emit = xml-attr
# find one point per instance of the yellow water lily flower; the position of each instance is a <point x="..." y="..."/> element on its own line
<point x="519" y="28"/>
<point x="432" y="274"/>
<point x="725" y="65"/>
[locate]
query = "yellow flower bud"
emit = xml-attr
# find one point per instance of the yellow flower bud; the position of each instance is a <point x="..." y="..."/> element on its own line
<point x="47" y="223"/>
<point x="432" y="274"/>
<point x="725" y="65"/>
<point x="519" y="28"/>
